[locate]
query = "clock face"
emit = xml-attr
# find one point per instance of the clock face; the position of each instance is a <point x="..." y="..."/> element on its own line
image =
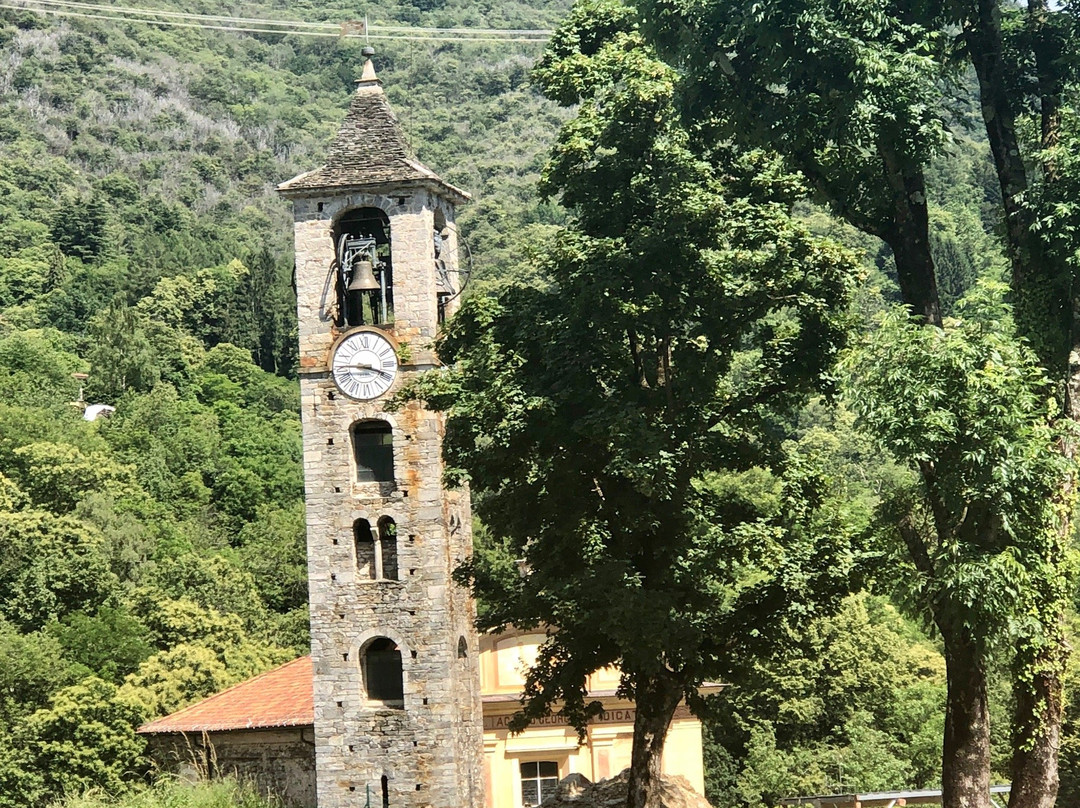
<point x="364" y="365"/>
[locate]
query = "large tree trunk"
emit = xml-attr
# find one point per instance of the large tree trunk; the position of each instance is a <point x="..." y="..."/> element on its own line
<point x="965" y="770"/>
<point x="655" y="700"/>
<point x="982" y="33"/>
<point x="909" y="238"/>
<point x="1037" y="732"/>
<point x="1040" y="666"/>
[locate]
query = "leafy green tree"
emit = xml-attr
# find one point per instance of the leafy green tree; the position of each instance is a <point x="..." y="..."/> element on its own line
<point x="34" y="667"/>
<point x="36" y="368"/>
<point x="932" y="396"/>
<point x="274" y="549"/>
<point x="169" y="440"/>
<point x="215" y="582"/>
<point x="266" y="291"/>
<point x="109" y="644"/>
<point x="121" y="357"/>
<point x="21" y="784"/>
<point x="852" y="704"/>
<point x="173" y="679"/>
<point x="56" y="476"/>
<point x="183" y="621"/>
<point x="854" y="96"/>
<point x="80" y="226"/>
<point x="11" y="496"/>
<point x="621" y="427"/>
<point x="85" y="739"/>
<point x="50" y="566"/>
<point x="129" y="540"/>
<point x="257" y="388"/>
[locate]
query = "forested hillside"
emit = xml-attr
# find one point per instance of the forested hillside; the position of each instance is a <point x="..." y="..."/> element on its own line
<point x="154" y="557"/>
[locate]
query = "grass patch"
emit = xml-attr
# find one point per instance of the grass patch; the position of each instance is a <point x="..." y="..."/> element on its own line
<point x="173" y="793"/>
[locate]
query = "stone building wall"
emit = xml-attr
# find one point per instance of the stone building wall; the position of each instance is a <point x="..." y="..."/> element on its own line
<point x="279" y="762"/>
<point x="429" y="749"/>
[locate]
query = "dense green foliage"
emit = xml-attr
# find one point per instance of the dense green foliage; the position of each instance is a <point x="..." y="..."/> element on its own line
<point x="150" y="559"/>
<point x="122" y="556"/>
<point x="853" y="704"/>
<point x="931" y="396"/>
<point x="862" y="99"/>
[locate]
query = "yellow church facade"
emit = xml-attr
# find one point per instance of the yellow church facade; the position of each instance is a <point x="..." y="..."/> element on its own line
<point x="522" y="770"/>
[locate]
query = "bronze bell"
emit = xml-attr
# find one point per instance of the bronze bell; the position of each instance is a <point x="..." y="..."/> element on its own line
<point x="363" y="278"/>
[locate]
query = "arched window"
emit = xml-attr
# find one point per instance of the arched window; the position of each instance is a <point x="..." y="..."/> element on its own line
<point x="381" y="669"/>
<point x="462" y="648"/>
<point x="365" y="276"/>
<point x="388" y="548"/>
<point x="364" y="541"/>
<point x="373" y="449"/>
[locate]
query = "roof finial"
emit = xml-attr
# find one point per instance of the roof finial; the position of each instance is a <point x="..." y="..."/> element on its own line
<point x="368" y="77"/>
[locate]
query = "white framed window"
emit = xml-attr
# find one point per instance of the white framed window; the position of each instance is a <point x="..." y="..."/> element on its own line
<point x="539" y="779"/>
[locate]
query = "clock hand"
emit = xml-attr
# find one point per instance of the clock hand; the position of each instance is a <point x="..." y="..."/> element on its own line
<point x="378" y="370"/>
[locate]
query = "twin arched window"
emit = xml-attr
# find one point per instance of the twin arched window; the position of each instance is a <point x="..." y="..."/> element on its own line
<point x="376" y="551"/>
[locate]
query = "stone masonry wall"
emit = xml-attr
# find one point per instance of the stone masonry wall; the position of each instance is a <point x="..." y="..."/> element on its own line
<point x="429" y="750"/>
<point x="279" y="762"/>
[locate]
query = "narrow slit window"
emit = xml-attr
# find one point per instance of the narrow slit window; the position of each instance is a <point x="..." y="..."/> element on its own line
<point x="373" y="449"/>
<point x="388" y="548"/>
<point x="366" y="567"/>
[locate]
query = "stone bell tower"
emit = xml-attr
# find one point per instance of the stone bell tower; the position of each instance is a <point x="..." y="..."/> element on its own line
<point x="397" y="700"/>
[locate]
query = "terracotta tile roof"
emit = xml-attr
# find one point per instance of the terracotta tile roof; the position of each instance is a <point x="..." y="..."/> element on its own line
<point x="278" y="698"/>
<point x="370" y="151"/>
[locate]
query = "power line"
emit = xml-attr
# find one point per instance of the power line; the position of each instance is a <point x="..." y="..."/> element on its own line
<point x="180" y="14"/>
<point x="177" y="19"/>
<point x="172" y="23"/>
<point x="538" y="32"/>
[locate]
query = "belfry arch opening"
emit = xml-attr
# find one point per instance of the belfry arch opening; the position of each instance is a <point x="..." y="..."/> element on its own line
<point x="364" y="280"/>
<point x="380" y="667"/>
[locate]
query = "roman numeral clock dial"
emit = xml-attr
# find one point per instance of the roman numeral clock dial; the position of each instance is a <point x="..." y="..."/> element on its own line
<point x="364" y="365"/>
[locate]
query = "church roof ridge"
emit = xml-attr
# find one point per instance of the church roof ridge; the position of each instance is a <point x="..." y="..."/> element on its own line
<point x="280" y="697"/>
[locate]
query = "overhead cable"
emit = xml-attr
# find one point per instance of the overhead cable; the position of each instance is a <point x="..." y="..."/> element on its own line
<point x="147" y="12"/>
<point x="177" y="19"/>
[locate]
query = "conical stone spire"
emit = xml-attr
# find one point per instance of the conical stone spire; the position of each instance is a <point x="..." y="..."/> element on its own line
<point x="370" y="150"/>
